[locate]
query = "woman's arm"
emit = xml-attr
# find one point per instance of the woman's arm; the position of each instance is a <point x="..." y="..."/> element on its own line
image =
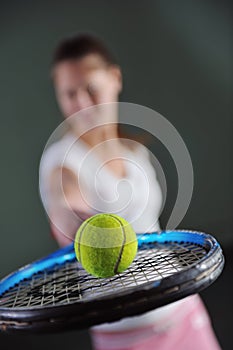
<point x="67" y="209"/>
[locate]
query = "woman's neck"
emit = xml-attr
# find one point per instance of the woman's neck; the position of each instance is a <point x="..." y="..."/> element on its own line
<point x="99" y="135"/>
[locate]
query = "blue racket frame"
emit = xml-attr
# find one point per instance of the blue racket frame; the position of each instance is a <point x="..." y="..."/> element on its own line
<point x="128" y="302"/>
<point x="67" y="254"/>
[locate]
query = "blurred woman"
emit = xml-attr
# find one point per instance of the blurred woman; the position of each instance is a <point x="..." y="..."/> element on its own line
<point x="79" y="174"/>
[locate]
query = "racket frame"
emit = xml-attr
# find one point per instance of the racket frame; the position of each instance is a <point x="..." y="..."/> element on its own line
<point x="129" y="302"/>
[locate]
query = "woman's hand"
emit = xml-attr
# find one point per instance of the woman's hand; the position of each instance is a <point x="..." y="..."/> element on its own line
<point x="64" y="224"/>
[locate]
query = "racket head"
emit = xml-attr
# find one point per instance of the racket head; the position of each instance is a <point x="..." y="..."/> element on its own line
<point x="55" y="293"/>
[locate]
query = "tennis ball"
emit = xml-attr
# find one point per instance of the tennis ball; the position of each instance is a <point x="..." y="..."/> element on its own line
<point x="105" y="244"/>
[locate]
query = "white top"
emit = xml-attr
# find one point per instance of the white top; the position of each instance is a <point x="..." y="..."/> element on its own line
<point x="137" y="197"/>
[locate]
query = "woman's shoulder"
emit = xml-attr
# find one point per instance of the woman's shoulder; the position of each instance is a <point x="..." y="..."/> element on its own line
<point x="137" y="148"/>
<point x="62" y="147"/>
<point x="60" y="153"/>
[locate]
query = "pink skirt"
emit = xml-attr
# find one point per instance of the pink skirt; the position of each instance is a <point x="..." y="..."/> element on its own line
<point x="189" y="330"/>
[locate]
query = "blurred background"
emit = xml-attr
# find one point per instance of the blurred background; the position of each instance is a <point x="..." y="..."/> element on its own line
<point x="176" y="59"/>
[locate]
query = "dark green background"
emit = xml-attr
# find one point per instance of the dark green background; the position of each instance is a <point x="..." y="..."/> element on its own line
<point x="175" y="58"/>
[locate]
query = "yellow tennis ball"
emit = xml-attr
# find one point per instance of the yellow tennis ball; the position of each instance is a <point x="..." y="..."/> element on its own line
<point x="105" y="244"/>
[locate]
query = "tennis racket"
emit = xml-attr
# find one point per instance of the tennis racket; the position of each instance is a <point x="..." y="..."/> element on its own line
<point x="55" y="293"/>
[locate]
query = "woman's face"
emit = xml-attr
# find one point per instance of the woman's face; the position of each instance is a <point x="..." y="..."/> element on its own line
<point x="86" y="82"/>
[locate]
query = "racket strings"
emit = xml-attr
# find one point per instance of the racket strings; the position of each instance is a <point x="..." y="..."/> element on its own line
<point x="69" y="283"/>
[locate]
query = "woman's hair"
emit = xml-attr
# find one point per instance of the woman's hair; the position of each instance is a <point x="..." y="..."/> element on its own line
<point x="79" y="46"/>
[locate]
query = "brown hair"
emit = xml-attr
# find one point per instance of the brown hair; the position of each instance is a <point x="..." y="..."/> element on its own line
<point x="79" y="46"/>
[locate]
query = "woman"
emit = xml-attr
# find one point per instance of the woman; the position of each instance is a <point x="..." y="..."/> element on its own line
<point x="74" y="181"/>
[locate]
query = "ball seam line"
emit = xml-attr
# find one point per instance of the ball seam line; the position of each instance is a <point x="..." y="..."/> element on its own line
<point x="122" y="246"/>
